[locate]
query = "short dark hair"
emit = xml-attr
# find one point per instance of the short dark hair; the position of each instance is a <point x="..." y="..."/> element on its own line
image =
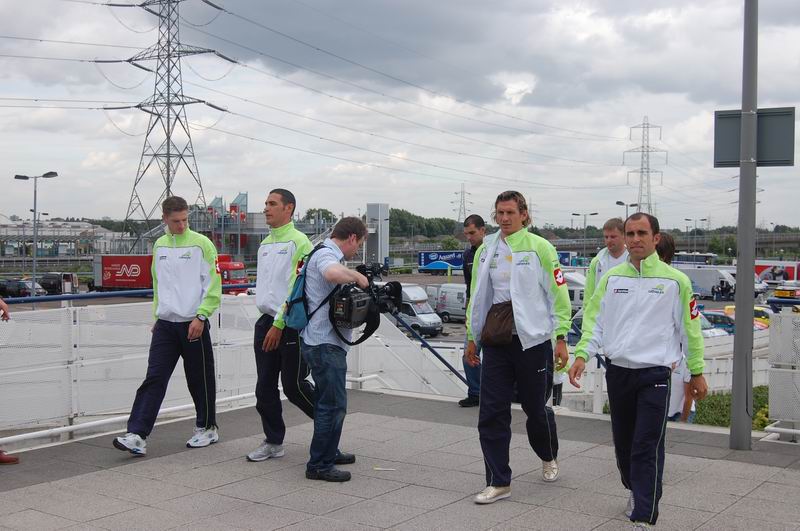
<point x="287" y="197"/>
<point x="474" y="219"/>
<point x="174" y="204"/>
<point x="615" y="223"/>
<point x="666" y="248"/>
<point x="650" y="218"/>
<point x="517" y="197"/>
<point x="347" y="226"/>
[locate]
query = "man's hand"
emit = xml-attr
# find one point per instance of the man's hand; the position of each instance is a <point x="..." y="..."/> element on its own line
<point x="698" y="387"/>
<point x="361" y="280"/>
<point x="272" y="339"/>
<point x="576" y="371"/>
<point x="5" y="315"/>
<point x="471" y="354"/>
<point x="196" y="329"/>
<point x="561" y="355"/>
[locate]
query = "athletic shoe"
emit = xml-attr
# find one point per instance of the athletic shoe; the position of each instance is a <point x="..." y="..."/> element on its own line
<point x="641" y="526"/>
<point x="265" y="451"/>
<point x="6" y="459"/>
<point x="203" y="437"/>
<point x="550" y="470"/>
<point x="132" y="443"/>
<point x="470" y="401"/>
<point x="492" y="494"/>
<point x="334" y="475"/>
<point x="629" y="509"/>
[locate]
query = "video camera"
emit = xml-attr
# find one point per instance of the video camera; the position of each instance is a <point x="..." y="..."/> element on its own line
<point x="351" y="306"/>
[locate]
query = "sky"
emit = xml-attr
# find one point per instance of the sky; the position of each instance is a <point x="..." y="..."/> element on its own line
<point x="347" y="103"/>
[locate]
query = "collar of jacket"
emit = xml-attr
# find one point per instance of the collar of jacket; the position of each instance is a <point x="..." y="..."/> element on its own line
<point x="283" y="230"/>
<point x="647" y="265"/>
<point x="513" y="240"/>
<point x="178" y="236"/>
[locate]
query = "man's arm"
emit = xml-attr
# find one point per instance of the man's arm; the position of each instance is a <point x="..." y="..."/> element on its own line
<point x="213" y="296"/>
<point x="5" y="314"/>
<point x="591" y="280"/>
<point x="473" y="282"/>
<point x="339" y="274"/>
<point x="154" y="276"/>
<point x="556" y="285"/>
<point x="591" y="332"/>
<point x="687" y="401"/>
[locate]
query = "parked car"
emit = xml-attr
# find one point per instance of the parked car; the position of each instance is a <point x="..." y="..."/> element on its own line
<point x="3" y="287"/>
<point x="761" y="313"/>
<point x="22" y="288"/>
<point x="55" y="283"/>
<point x="720" y="319"/>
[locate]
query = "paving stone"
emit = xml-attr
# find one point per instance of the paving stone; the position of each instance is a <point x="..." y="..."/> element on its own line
<point x="126" y="487"/>
<point x="205" y="477"/>
<point x="538" y="493"/>
<point x="313" y="501"/>
<point x="359" y="485"/>
<point x="768" y="510"/>
<point x="407" y="425"/>
<point x="697" y="450"/>
<point x="256" y="489"/>
<point x="34" y="520"/>
<point x="8" y="507"/>
<point x="732" y="469"/>
<point x="787" y="477"/>
<point x="320" y="523"/>
<point x="446" y="460"/>
<point x="466" y="447"/>
<point x="376" y="513"/>
<point x="466" y="515"/>
<point x="599" y="451"/>
<point x="609" y="484"/>
<point x="87" y="507"/>
<point x="421" y="497"/>
<point x="371" y="433"/>
<point x="257" y="516"/>
<point x="550" y="519"/>
<point x="154" y="468"/>
<point x="776" y="492"/>
<point x="595" y="505"/>
<point x="737" y="523"/>
<point x="144" y="519"/>
<point x="705" y="483"/>
<point x="702" y="500"/>
<point x="202" y="504"/>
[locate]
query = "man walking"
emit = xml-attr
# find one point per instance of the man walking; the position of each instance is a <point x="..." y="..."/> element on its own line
<point x="277" y="348"/>
<point x="474" y="231"/>
<point x="324" y="352"/>
<point x="186" y="292"/>
<point x="6" y="459"/>
<point x="641" y="316"/>
<point x="613" y="254"/>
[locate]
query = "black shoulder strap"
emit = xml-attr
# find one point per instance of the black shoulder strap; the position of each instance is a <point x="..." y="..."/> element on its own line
<point x="334" y="290"/>
<point x="372" y="324"/>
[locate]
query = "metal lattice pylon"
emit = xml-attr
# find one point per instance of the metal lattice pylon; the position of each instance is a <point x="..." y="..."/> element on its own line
<point x="644" y="198"/>
<point x="168" y="143"/>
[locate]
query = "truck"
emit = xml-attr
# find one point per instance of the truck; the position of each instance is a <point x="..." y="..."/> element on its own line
<point x="439" y="262"/>
<point x="117" y="272"/>
<point x="706" y="281"/>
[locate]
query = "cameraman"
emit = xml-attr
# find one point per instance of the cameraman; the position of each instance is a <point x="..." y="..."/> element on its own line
<point x="324" y="352"/>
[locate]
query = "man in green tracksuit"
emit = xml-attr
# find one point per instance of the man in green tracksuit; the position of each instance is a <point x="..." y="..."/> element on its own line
<point x="641" y="317"/>
<point x="186" y="291"/>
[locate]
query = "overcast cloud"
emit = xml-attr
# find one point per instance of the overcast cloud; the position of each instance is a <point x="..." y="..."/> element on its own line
<point x="595" y="67"/>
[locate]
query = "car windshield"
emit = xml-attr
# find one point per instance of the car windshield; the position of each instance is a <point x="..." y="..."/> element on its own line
<point x="422" y="308"/>
<point x="237" y="274"/>
<point x="705" y="324"/>
<point x="29" y="283"/>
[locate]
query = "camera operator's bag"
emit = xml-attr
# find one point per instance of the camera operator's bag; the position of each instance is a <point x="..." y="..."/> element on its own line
<point x="297" y="315"/>
<point x="498" y="329"/>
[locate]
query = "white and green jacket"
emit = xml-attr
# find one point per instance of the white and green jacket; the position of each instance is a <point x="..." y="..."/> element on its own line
<point x="599" y="266"/>
<point x="186" y="280"/>
<point x="643" y="318"/>
<point x="538" y="289"/>
<point x="280" y="258"/>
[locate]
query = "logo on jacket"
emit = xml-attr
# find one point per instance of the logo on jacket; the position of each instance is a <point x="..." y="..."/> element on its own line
<point x="525" y="260"/>
<point x="285" y="250"/>
<point x="186" y="256"/>
<point x="559" y="276"/>
<point x="621" y="290"/>
<point x="658" y="290"/>
<point x="694" y="311"/>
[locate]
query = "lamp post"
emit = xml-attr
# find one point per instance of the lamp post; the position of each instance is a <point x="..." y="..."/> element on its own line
<point x="694" y="240"/>
<point x="626" y="205"/>
<point x="48" y="175"/>
<point x="773" y="237"/>
<point x="585" y="216"/>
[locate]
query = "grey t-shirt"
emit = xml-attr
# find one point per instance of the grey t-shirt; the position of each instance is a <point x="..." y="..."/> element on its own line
<point x="319" y="329"/>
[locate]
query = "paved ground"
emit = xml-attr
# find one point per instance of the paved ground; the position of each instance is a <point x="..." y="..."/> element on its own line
<point x="419" y="463"/>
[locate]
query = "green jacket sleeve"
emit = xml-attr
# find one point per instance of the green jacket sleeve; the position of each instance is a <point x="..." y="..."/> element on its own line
<point x="474" y="284"/>
<point x="214" y="294"/>
<point x="155" y="282"/>
<point x="304" y="247"/>
<point x="557" y="286"/>
<point x="592" y="329"/>
<point x="690" y="320"/>
<point x="591" y="280"/>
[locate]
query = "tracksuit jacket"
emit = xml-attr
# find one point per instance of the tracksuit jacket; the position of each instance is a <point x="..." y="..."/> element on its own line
<point x="538" y="289"/>
<point x="643" y="318"/>
<point x="179" y="260"/>
<point x="598" y="267"/>
<point x="280" y="258"/>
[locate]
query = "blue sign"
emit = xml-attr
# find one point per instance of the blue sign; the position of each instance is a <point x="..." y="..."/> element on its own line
<point x="441" y="260"/>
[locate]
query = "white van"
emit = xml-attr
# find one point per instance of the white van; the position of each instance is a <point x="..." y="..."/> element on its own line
<point x="703" y="279"/>
<point x="417" y="312"/>
<point x="452" y="302"/>
<point x="433" y="294"/>
<point x="576" y="283"/>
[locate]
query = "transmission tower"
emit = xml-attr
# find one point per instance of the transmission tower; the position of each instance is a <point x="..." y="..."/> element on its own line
<point x="168" y="143"/>
<point x="645" y="196"/>
<point x="462" y="202"/>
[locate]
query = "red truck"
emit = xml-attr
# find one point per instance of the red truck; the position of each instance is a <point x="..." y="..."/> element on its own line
<point x="116" y="272"/>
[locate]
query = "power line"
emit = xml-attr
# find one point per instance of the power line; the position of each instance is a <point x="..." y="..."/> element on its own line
<point x="35" y="39"/>
<point x="405" y="82"/>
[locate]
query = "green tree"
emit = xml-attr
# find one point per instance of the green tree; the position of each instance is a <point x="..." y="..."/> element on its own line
<point x="324" y="214"/>
<point x="449" y="243"/>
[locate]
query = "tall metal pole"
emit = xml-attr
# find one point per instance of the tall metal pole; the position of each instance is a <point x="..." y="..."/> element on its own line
<point x="742" y="389"/>
<point x="35" y="237"/>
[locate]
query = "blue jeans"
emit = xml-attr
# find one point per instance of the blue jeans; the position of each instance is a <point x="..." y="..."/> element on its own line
<point x="472" y="374"/>
<point x="328" y="365"/>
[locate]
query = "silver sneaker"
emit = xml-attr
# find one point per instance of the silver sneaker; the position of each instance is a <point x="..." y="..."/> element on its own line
<point x="550" y="470"/>
<point x="265" y="451"/>
<point x="641" y="526"/>
<point x="132" y="443"/>
<point x="203" y="437"/>
<point x="629" y="509"/>
<point x="492" y="494"/>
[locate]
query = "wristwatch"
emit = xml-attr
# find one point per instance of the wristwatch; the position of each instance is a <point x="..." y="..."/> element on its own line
<point x="560" y="337"/>
<point x="200" y="317"/>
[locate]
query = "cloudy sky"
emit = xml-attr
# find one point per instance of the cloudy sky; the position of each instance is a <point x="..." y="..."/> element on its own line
<point x="401" y="102"/>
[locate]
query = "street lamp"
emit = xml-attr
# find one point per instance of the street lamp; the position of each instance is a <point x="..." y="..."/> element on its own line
<point x="48" y="175"/>
<point x="626" y="205"/>
<point x="694" y="246"/>
<point x="773" y="237"/>
<point x="585" y="215"/>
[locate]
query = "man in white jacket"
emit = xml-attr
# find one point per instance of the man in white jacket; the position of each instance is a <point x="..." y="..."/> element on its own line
<point x="613" y="254"/>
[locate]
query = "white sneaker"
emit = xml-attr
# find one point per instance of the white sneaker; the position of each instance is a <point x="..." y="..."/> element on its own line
<point x="132" y="443"/>
<point x="629" y="509"/>
<point x="265" y="451"/>
<point x="203" y="437"/>
<point x="492" y="494"/>
<point x="550" y="470"/>
<point x="640" y="526"/>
